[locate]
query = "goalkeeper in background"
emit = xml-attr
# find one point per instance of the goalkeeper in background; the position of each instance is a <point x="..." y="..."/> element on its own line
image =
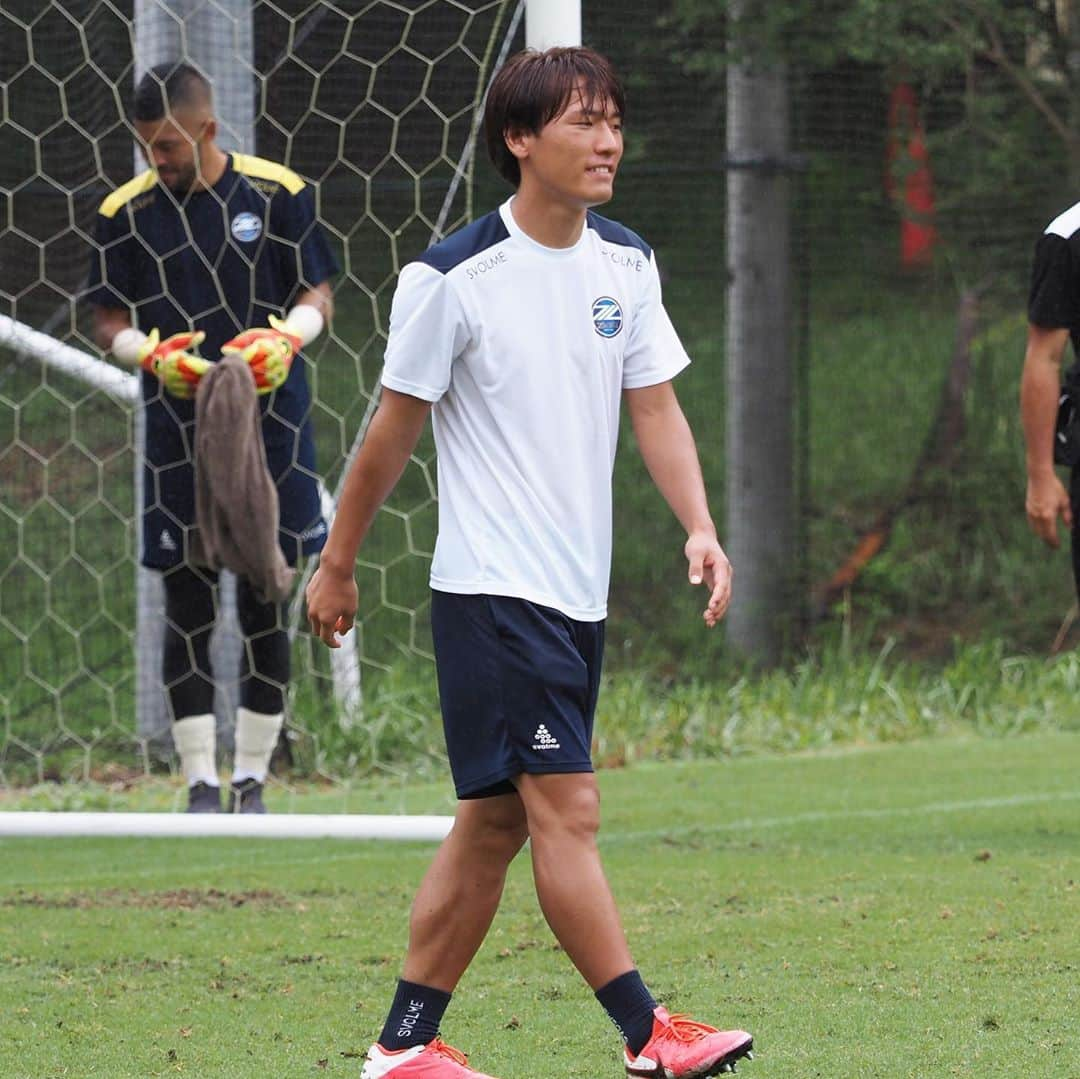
<point x="207" y="253"/>
<point x="521" y="335"/>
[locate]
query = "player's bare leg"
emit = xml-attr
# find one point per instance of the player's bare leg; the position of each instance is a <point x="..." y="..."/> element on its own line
<point x="563" y="813"/>
<point x="460" y="893"/>
<point x="451" y="915"/>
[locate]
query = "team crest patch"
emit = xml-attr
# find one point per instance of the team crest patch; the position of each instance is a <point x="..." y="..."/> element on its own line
<point x="246" y="227"/>
<point x="606" y="316"/>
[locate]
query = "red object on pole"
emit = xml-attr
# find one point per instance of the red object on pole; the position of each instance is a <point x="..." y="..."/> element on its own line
<point x="908" y="180"/>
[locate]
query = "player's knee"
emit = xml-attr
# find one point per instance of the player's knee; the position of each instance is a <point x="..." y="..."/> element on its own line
<point x="494" y="833"/>
<point x="505" y="838"/>
<point x="564" y="806"/>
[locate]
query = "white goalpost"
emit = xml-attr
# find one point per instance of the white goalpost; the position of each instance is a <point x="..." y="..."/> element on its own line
<point x="397" y="91"/>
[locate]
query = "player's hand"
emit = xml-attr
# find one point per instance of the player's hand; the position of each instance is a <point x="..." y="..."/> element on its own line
<point x="172" y="362"/>
<point x="332" y="600"/>
<point x="268" y="351"/>
<point x="708" y="565"/>
<point x="1047" y="500"/>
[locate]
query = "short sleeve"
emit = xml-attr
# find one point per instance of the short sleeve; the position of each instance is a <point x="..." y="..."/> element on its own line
<point x="1054" y="300"/>
<point x="654" y="352"/>
<point x="315" y="262"/>
<point x="428" y="331"/>
<point x="111" y="281"/>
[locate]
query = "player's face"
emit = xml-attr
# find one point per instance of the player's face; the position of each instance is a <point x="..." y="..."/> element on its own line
<point x="171" y="147"/>
<point x="574" y="157"/>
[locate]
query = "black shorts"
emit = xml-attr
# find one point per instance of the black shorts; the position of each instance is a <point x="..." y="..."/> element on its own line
<point x="518" y="684"/>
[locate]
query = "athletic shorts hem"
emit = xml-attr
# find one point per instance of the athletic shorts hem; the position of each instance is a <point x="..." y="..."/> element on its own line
<point x="473" y="787"/>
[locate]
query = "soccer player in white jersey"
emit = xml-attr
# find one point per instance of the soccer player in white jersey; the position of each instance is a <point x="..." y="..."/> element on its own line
<point x="521" y="334"/>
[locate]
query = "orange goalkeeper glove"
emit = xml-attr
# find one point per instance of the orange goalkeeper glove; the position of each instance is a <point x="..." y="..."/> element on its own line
<point x="268" y="351"/>
<point x="172" y="363"/>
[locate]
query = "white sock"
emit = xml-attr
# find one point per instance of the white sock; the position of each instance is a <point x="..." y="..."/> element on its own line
<point x="195" y="738"/>
<point x="256" y="735"/>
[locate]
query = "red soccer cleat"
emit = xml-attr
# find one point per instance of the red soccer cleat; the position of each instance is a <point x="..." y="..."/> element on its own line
<point x="436" y="1060"/>
<point x="681" y="1048"/>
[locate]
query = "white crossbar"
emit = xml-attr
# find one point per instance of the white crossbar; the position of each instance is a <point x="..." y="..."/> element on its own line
<point x="72" y="361"/>
<point x="226" y="825"/>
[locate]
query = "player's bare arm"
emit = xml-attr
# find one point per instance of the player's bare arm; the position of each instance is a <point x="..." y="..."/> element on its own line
<point x="321" y="298"/>
<point x="108" y="322"/>
<point x="1040" y="387"/>
<point x="668" y="449"/>
<point x="395" y="428"/>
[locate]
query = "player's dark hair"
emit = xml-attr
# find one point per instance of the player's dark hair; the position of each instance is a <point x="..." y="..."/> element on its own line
<point x="532" y="88"/>
<point x="166" y="88"/>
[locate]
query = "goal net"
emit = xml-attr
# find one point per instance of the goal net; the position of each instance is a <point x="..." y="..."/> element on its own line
<point x="376" y="103"/>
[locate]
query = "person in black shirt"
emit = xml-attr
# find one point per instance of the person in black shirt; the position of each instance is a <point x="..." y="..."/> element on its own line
<point x="214" y="252"/>
<point x="1053" y="320"/>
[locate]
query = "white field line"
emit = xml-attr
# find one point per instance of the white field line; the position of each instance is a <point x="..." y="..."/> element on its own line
<point x="73" y="878"/>
<point x="264" y="859"/>
<point x="748" y="824"/>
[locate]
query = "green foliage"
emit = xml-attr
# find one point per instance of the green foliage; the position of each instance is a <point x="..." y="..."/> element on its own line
<point x="397" y="730"/>
<point x="842" y="694"/>
<point x="996" y="90"/>
<point x="928" y="38"/>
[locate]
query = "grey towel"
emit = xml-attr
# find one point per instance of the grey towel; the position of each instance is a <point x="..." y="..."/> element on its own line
<point x="236" y="502"/>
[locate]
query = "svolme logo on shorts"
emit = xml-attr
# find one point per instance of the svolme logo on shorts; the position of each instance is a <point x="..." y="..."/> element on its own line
<point x="606" y="316"/>
<point x="246" y="227"/>
<point x="544" y="739"/>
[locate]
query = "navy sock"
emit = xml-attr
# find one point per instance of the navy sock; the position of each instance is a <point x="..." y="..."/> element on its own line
<point x="414" y="1016"/>
<point x="630" y="1005"/>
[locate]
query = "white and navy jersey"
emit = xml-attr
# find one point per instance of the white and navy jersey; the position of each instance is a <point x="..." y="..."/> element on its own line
<point x="1054" y="300"/>
<point x="524" y="351"/>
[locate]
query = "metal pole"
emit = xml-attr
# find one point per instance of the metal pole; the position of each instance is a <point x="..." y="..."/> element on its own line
<point x="218" y="39"/>
<point x="760" y="531"/>
<point x="552" y="22"/>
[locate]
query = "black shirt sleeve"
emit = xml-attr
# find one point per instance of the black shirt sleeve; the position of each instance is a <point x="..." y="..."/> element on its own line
<point x="1054" y="300"/>
<point x="310" y="260"/>
<point x="111" y="281"/>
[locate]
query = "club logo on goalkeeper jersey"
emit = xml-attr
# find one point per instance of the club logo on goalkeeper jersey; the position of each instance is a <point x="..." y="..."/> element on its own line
<point x="606" y="316"/>
<point x="246" y="227"/>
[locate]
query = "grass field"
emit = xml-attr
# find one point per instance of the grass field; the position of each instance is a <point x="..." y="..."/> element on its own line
<point x="907" y="910"/>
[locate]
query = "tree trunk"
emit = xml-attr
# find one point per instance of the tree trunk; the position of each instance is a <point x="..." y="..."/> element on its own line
<point x="760" y="532"/>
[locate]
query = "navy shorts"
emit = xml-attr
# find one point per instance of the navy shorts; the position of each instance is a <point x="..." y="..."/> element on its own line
<point x="169" y="488"/>
<point x="518" y="684"/>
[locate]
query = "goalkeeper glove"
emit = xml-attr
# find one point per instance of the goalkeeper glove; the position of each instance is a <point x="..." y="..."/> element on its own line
<point x="268" y="352"/>
<point x="170" y="361"/>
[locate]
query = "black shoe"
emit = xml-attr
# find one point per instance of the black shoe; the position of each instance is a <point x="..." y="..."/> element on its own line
<point x="202" y="798"/>
<point x="246" y="797"/>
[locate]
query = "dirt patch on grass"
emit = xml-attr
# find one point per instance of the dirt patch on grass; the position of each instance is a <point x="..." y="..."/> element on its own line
<point x="175" y="899"/>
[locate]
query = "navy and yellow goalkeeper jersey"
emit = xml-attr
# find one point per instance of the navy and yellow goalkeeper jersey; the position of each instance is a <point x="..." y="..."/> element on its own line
<point x="221" y="261"/>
